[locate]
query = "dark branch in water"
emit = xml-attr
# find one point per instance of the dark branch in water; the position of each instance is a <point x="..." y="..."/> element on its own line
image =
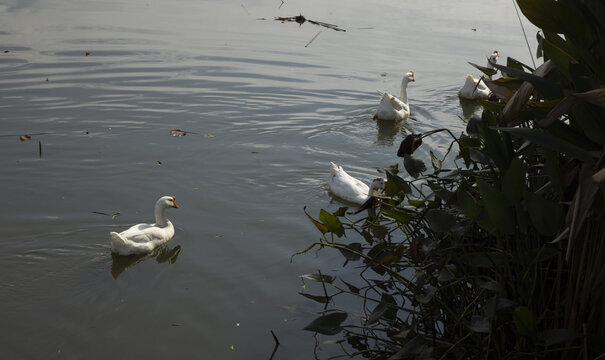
<point x="300" y="19"/>
<point x="314" y="37"/>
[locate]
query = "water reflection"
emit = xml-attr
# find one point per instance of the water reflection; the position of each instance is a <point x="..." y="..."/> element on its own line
<point x="469" y="108"/>
<point x="388" y="130"/>
<point x="161" y="255"/>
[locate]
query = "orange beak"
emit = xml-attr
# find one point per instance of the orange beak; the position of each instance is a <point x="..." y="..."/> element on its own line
<point x="174" y="202"/>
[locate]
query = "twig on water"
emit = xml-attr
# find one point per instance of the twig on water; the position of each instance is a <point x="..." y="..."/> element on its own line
<point x="276" y="345"/>
<point x="316" y="35"/>
<point x="40" y="148"/>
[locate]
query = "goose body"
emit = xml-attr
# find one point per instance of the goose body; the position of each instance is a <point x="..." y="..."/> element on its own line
<point x="392" y="108"/>
<point x="143" y="238"/>
<point x="349" y="188"/>
<point x="473" y="89"/>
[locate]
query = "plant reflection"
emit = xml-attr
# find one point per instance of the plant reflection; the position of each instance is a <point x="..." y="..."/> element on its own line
<point x="161" y="255"/>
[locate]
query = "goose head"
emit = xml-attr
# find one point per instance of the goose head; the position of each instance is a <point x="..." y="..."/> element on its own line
<point x="166" y="202"/>
<point x="377" y="184"/>
<point x="409" y="77"/>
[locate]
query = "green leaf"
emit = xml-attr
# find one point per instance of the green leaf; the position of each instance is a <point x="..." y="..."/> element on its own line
<point x="401" y="216"/>
<point x="331" y="222"/>
<point x="416" y="203"/>
<point x="546" y="216"/>
<point x="513" y="183"/>
<point x="524" y="321"/>
<point x="327" y="324"/>
<point x="396" y="185"/>
<point x="321" y="227"/>
<point x="322" y="299"/>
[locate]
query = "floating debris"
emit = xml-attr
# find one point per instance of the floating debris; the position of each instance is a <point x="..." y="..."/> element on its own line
<point x="113" y="216"/>
<point x="178" y="132"/>
<point x="210" y="136"/>
<point x="40" y="148"/>
<point x="25" y="137"/>
<point x="159" y="163"/>
<point x="87" y="53"/>
<point x="313" y="39"/>
<point x="300" y="19"/>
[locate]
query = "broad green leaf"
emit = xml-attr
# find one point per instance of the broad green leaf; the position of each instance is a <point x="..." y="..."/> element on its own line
<point x="401" y="216"/>
<point x="561" y="58"/>
<point x="416" y="203"/>
<point x="513" y="183"/>
<point x="331" y="222"/>
<point x="327" y="324"/>
<point x="396" y="185"/>
<point x="321" y="227"/>
<point x="546" y="216"/>
<point x="322" y="299"/>
<point x="524" y="321"/>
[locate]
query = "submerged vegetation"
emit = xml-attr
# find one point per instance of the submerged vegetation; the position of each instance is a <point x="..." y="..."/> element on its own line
<point x="502" y="255"/>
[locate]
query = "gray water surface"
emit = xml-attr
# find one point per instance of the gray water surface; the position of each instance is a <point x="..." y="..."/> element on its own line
<point x="265" y="116"/>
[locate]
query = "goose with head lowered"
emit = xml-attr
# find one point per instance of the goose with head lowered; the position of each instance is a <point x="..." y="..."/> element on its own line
<point x="393" y="109"/>
<point x="351" y="189"/>
<point x="143" y="238"/>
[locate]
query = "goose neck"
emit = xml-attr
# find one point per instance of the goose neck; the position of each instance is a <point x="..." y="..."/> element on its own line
<point x="160" y="216"/>
<point x="404" y="90"/>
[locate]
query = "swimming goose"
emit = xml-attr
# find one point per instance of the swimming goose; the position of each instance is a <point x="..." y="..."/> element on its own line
<point x="349" y="188"/>
<point x="393" y="109"/>
<point x="473" y="89"/>
<point x="143" y="238"/>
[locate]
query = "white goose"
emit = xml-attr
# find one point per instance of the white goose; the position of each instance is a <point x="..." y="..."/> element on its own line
<point x="473" y="89"/>
<point x="393" y="109"/>
<point x="143" y="238"/>
<point x="349" y="188"/>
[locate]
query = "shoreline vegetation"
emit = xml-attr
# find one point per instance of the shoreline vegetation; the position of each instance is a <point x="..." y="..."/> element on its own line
<point x="501" y="256"/>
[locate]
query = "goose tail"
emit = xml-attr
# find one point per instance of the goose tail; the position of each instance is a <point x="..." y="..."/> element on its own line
<point x="117" y="242"/>
<point x="334" y="169"/>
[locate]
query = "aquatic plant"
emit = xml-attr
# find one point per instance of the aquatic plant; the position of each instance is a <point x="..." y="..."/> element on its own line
<point x="503" y="254"/>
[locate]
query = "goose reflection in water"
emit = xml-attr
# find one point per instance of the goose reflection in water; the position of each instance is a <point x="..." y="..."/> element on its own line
<point x="161" y="254"/>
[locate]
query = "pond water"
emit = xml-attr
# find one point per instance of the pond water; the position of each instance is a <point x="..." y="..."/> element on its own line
<point x="98" y="85"/>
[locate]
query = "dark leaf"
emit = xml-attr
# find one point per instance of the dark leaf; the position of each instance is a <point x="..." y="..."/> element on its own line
<point x="440" y="220"/>
<point x="513" y="183"/>
<point x="322" y="299"/>
<point x="524" y="320"/>
<point x="327" y="324"/>
<point x="558" y="336"/>
<point x="546" y="216"/>
<point x="351" y="251"/>
<point x="479" y="324"/>
<point x="409" y="145"/>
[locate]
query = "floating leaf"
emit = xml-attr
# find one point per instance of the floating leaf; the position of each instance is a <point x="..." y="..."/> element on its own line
<point x="178" y="132"/>
<point x="351" y="251"/>
<point x="327" y="324"/>
<point x="318" y="277"/>
<point x="210" y="136"/>
<point x="319" y="298"/>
